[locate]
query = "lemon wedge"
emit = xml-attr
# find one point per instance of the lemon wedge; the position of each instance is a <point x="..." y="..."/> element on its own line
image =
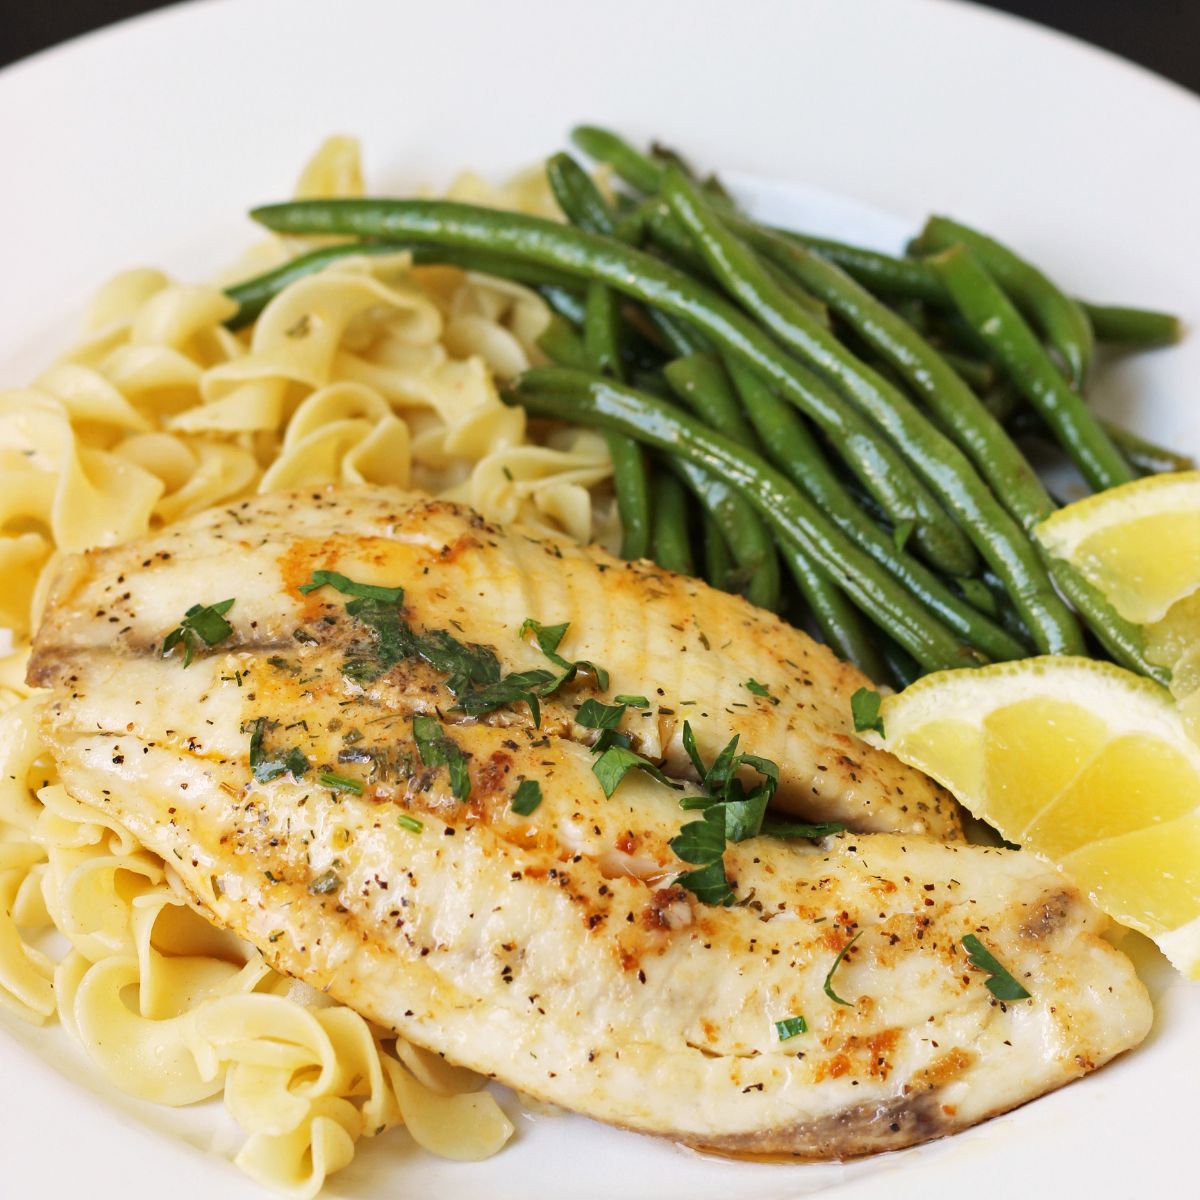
<point x="1081" y="762"/>
<point x="1138" y="543"/>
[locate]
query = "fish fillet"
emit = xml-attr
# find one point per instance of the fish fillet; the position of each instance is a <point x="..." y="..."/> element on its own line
<point x="691" y="650"/>
<point x="551" y="950"/>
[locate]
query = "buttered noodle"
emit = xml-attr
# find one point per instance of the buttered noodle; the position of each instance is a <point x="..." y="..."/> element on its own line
<point x="370" y="371"/>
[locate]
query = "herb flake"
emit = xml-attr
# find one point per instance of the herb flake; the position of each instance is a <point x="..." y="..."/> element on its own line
<point x="527" y="797"/>
<point x="202" y="623"/>
<point x="350" y="587"/>
<point x="999" y="982"/>
<point x="864" y="708"/>
<point x="340" y="783"/>
<point x="789" y="1027"/>
<point x="837" y="962"/>
<point x="409" y="823"/>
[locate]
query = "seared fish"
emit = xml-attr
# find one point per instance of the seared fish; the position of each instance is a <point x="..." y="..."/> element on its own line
<point x="550" y="948"/>
<point x="692" y="651"/>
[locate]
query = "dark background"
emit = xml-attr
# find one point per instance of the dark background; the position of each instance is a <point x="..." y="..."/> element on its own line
<point x="1163" y="35"/>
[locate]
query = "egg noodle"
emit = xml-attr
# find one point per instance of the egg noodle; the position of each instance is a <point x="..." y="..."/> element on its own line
<point x="370" y="371"/>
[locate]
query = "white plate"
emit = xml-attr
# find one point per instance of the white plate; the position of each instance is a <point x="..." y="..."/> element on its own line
<point x="145" y="143"/>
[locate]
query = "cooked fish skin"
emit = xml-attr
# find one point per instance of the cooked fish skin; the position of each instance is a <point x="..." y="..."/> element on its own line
<point x="691" y="650"/>
<point x="553" y="951"/>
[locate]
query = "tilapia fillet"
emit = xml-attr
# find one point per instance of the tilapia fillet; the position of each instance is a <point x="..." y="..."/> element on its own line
<point x="552" y="950"/>
<point x="691" y="650"/>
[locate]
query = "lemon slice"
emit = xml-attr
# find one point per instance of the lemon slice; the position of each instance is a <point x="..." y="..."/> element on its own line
<point x="1081" y="762"/>
<point x="1138" y="543"/>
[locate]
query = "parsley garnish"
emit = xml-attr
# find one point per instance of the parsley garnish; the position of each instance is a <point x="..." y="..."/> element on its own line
<point x="527" y="797"/>
<point x="201" y="623"/>
<point x="349" y="587"/>
<point x="617" y="761"/>
<point x="632" y="701"/>
<point x="702" y="841"/>
<point x="265" y="769"/>
<point x="330" y="881"/>
<point x="731" y="814"/>
<point x="902" y="532"/>
<point x="801" y="829"/>
<point x="999" y="982"/>
<point x="837" y="962"/>
<point x="708" y="884"/>
<point x="760" y="689"/>
<point x="409" y="823"/>
<point x="340" y="783"/>
<point x="548" y="638"/>
<point x="789" y="1027"/>
<point x="437" y="750"/>
<point x="864" y="708"/>
<point x="594" y="715"/>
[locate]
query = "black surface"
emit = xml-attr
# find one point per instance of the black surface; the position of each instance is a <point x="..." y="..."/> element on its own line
<point x="1163" y="35"/>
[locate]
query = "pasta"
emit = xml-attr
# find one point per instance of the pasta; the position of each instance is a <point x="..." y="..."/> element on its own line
<point x="370" y="371"/>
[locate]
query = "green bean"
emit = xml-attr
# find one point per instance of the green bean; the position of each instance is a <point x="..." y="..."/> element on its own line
<point x="1061" y="320"/>
<point x="1146" y="456"/>
<point x="793" y="449"/>
<point x="702" y="385"/>
<point x="680" y="338"/>
<point x="949" y="472"/>
<point x="1015" y="346"/>
<point x="900" y="664"/>
<point x="253" y="295"/>
<point x="718" y="561"/>
<point x="839" y="622"/>
<point x="562" y="345"/>
<point x="584" y="206"/>
<point x="749" y="539"/>
<point x="994" y="459"/>
<point x="671" y="237"/>
<point x="567" y="302"/>
<point x="878" y="466"/>
<point x="671" y="545"/>
<point x="1149" y="458"/>
<point x="1001" y="464"/>
<point x="635" y="168"/>
<point x="594" y="400"/>
<point x="888" y="275"/>
<point x="1133" y="328"/>
<point x="976" y="373"/>
<point x="884" y="274"/>
<point x="577" y="195"/>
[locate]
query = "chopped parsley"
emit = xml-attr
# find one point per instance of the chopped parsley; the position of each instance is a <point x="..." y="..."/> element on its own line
<point x="548" y="638"/>
<point x="409" y="823"/>
<point x="330" y="881"/>
<point x="864" y="708"/>
<point x="730" y="814"/>
<point x="801" y="829"/>
<point x="789" y="1027"/>
<point x="999" y="982"/>
<point x="760" y="689"/>
<point x="594" y="715"/>
<point x="708" y="884"/>
<point x="263" y="768"/>
<point x="837" y="962"/>
<point x="437" y="750"/>
<point x="350" y="587"/>
<point x="340" y="783"/>
<point x="527" y="797"/>
<point x="617" y="761"/>
<point x="201" y="623"/>
<point x="632" y="701"/>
